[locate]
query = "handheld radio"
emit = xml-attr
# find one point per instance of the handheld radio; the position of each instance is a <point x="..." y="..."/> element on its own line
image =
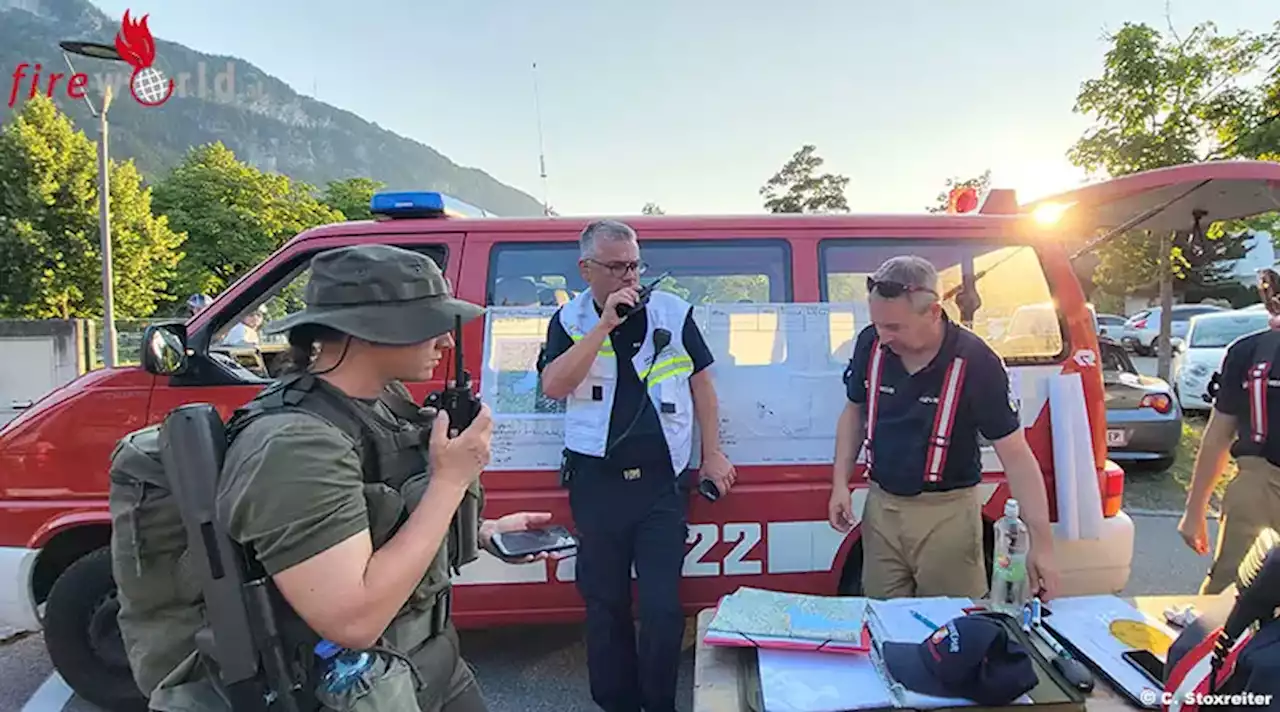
<point x="458" y="400"/>
<point x="642" y="297"/>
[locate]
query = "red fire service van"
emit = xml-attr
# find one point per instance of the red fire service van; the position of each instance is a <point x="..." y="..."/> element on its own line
<point x="781" y="299"/>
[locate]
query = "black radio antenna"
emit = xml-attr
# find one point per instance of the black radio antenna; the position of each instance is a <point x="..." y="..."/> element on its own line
<point x="458" y="371"/>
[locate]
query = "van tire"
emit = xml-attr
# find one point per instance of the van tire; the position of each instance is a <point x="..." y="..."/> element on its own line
<point x="851" y="575"/>
<point x="83" y="637"/>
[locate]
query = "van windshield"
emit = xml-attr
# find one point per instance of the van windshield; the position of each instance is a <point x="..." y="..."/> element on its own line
<point x="1015" y="310"/>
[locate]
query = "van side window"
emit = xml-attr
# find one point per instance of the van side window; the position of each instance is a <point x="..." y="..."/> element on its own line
<point x="702" y="272"/>
<point x="1015" y="311"/>
<point x="238" y="337"/>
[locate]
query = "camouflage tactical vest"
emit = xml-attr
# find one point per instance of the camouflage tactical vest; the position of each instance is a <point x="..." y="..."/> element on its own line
<point x="161" y="606"/>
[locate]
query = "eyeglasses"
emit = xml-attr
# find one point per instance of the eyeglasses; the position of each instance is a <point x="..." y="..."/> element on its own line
<point x="620" y="269"/>
<point x="893" y="290"/>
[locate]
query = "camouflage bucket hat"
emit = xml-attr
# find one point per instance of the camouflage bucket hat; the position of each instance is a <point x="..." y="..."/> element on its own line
<point x="378" y="293"/>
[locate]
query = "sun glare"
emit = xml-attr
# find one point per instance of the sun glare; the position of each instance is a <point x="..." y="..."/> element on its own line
<point x="1049" y="213"/>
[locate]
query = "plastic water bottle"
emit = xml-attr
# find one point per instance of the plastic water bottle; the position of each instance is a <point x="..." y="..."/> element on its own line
<point x="342" y="666"/>
<point x="1010" y="589"/>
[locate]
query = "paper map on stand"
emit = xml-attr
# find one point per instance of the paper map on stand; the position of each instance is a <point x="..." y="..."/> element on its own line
<point x="777" y="374"/>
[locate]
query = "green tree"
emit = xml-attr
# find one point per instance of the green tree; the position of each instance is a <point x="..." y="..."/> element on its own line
<point x="351" y="196"/>
<point x="234" y="215"/>
<point x="798" y="187"/>
<point x="980" y="183"/>
<point x="652" y="209"/>
<point x="50" y="256"/>
<point x="1162" y="102"/>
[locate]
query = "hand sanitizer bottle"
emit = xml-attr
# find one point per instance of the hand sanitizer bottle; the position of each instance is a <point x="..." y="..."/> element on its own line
<point x="1010" y="589"/>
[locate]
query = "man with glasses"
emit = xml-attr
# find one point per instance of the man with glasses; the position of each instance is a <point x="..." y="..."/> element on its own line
<point x="925" y="387"/>
<point x="634" y="386"/>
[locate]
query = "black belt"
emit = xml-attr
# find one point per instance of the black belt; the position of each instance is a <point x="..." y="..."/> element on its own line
<point x="590" y="463"/>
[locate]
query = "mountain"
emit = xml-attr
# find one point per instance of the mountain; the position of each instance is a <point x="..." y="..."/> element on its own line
<point x="219" y="98"/>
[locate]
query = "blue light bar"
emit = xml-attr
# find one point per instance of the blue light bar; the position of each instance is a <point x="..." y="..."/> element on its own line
<point x="423" y="204"/>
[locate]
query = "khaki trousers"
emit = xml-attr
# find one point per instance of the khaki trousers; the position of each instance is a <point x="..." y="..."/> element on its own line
<point x="926" y="545"/>
<point x="1250" y="505"/>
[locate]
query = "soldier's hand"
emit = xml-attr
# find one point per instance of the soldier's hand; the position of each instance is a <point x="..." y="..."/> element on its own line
<point x="609" y="315"/>
<point x="461" y="459"/>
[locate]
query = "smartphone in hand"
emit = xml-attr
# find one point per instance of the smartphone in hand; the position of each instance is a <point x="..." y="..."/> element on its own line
<point x="515" y="545"/>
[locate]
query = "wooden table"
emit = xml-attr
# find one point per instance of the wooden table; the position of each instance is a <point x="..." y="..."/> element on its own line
<point x="717" y="686"/>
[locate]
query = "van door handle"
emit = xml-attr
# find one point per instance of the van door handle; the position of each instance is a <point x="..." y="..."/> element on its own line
<point x="21" y="405"/>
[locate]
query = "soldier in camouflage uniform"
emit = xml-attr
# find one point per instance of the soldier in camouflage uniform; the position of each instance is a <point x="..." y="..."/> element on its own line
<point x="357" y="503"/>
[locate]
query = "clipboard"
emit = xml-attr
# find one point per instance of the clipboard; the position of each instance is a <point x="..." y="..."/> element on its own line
<point x="877" y="691"/>
<point x="1118" y="673"/>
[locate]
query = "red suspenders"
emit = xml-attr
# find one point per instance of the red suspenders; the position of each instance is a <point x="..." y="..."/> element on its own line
<point x="1257" y="387"/>
<point x="943" y="420"/>
<point x="873" y="396"/>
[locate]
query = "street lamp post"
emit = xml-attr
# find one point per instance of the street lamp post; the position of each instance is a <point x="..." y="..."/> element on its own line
<point x="110" y="352"/>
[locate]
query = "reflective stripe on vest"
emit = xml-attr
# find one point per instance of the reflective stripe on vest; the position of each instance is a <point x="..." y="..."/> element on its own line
<point x="606" y="348"/>
<point x="667" y="368"/>
<point x="1192" y="672"/>
<point x="1257" y="387"/>
<point x="943" y="420"/>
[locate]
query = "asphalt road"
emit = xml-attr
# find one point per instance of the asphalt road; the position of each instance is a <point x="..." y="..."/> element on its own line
<point x="544" y="668"/>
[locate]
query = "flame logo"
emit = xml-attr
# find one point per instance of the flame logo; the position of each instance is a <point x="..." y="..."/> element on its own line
<point x="137" y="47"/>
<point x="134" y="42"/>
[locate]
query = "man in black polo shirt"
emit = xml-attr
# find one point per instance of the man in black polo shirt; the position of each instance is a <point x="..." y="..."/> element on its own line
<point x="1246" y="407"/>
<point x="634" y="388"/>
<point x="926" y="387"/>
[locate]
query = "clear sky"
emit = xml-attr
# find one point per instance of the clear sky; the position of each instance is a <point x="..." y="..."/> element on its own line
<point x="693" y="104"/>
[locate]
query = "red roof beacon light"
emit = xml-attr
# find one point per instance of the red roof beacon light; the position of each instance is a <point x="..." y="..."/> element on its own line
<point x="962" y="199"/>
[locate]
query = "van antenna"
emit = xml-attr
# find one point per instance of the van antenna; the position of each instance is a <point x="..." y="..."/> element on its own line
<point x="542" y="156"/>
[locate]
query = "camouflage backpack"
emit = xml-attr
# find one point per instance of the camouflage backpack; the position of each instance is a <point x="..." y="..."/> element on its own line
<point x="150" y="561"/>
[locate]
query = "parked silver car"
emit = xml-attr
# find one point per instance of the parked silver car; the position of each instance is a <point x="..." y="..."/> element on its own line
<point x="1109" y="325"/>
<point x="1142" y="329"/>
<point x="1144" y="420"/>
<point x="1197" y="357"/>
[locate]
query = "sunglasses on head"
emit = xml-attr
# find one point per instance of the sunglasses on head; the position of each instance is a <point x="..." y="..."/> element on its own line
<point x="892" y="290"/>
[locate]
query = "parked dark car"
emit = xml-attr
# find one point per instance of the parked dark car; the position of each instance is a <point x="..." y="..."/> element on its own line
<point x="1144" y="421"/>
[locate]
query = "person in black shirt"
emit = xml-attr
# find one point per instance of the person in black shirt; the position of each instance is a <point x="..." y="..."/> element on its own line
<point x="634" y="388"/>
<point x="926" y="387"/>
<point x="1246" y="407"/>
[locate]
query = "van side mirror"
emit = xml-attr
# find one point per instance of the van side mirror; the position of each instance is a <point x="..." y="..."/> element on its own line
<point x="164" y="349"/>
<point x="1177" y="344"/>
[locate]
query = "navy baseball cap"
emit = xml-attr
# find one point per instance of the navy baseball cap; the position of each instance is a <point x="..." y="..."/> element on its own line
<point x="970" y="657"/>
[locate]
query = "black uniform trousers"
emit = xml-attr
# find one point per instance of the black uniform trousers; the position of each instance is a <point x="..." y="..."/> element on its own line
<point x="623" y="517"/>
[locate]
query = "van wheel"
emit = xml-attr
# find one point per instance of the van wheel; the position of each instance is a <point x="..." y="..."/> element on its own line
<point x="83" y="637"/>
<point x="851" y="575"/>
